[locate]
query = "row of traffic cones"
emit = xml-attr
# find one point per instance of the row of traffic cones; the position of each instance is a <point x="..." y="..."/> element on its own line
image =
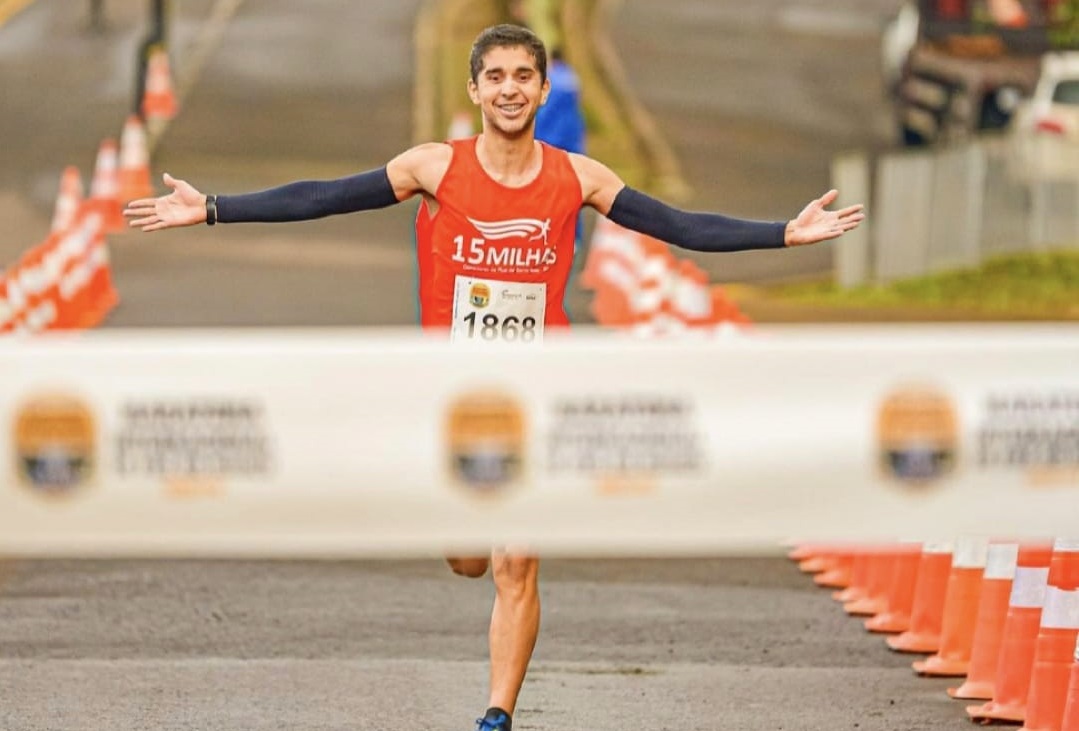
<point x="65" y="282"/>
<point x="639" y="285"/>
<point x="1003" y="615"/>
<point x="121" y="174"/>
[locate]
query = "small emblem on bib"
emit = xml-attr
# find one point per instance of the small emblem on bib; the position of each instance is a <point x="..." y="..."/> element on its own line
<point x="480" y="295"/>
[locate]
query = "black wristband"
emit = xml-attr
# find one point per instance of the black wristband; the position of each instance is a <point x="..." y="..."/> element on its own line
<point x="211" y="210"/>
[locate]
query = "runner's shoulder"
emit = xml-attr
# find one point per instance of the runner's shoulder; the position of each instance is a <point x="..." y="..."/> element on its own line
<point x="424" y="165"/>
<point x="430" y="152"/>
<point x="599" y="184"/>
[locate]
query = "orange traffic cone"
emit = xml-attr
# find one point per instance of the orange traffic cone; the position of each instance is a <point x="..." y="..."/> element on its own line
<point x="927" y="613"/>
<point x="9" y="312"/>
<point x="859" y="578"/>
<point x="691" y="300"/>
<point x="879" y="581"/>
<point x="159" y="99"/>
<point x="802" y="551"/>
<point x="134" y="161"/>
<point x="609" y="241"/>
<point x="725" y="311"/>
<point x="101" y="295"/>
<point x="896" y="617"/>
<point x="1071" y="708"/>
<point x="649" y="302"/>
<point x="1055" y="645"/>
<point x="1012" y="679"/>
<point x="612" y="269"/>
<point x="68" y="199"/>
<point x="838" y="575"/>
<point x="824" y="561"/>
<point x="960" y="611"/>
<point x="105" y="187"/>
<point x="72" y="293"/>
<point x="989" y="627"/>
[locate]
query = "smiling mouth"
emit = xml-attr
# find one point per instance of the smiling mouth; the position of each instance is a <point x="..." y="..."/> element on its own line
<point x="512" y="108"/>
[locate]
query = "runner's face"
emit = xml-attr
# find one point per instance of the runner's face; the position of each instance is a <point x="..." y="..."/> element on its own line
<point x="508" y="90"/>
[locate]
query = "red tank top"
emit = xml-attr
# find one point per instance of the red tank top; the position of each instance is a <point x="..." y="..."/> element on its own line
<point x="489" y="247"/>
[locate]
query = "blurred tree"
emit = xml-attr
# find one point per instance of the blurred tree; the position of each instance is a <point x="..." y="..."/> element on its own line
<point x="1064" y="25"/>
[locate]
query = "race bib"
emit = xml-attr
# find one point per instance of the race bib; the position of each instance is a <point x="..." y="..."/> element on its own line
<point x="489" y="310"/>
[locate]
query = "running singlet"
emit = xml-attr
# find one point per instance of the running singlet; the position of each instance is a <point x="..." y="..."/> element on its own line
<point x="494" y="261"/>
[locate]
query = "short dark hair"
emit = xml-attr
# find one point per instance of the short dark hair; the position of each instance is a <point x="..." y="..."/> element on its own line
<point x="507" y="36"/>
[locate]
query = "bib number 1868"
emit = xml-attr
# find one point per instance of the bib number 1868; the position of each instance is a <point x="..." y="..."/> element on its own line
<point x="495" y="311"/>
<point x="509" y="328"/>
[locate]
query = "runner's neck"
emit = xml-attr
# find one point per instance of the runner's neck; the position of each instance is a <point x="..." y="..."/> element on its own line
<point x="513" y="163"/>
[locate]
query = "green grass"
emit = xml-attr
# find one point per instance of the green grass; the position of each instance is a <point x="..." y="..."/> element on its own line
<point x="1040" y="284"/>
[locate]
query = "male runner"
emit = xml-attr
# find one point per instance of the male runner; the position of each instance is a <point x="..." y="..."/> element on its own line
<point x="495" y="233"/>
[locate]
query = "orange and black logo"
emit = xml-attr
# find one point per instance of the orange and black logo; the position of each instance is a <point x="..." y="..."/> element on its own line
<point x="485" y="434"/>
<point x="479" y="295"/>
<point x="55" y="443"/>
<point x="918" y="434"/>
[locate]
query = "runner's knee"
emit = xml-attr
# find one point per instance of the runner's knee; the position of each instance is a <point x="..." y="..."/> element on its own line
<point x="516" y="575"/>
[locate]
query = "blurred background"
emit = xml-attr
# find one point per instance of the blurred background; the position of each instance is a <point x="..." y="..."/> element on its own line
<point x="955" y="121"/>
<point x="931" y="113"/>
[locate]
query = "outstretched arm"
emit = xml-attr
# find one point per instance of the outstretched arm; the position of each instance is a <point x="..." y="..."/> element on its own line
<point x="299" y="201"/>
<point x="413" y="171"/>
<point x="711" y="232"/>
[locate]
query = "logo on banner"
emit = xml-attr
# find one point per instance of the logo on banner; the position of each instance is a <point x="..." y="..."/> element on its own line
<point x="55" y="441"/>
<point x="918" y="435"/>
<point x="485" y="436"/>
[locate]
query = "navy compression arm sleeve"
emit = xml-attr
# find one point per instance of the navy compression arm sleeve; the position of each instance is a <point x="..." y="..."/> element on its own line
<point x="307" y="199"/>
<point x="696" y="231"/>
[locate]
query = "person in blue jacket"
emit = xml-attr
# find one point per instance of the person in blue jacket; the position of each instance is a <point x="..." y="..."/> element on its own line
<point x="560" y="121"/>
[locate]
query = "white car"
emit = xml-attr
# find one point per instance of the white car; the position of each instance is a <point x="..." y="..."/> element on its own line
<point x="1045" y="130"/>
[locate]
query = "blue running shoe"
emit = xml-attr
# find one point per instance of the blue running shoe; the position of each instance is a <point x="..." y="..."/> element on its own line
<point x="495" y="719"/>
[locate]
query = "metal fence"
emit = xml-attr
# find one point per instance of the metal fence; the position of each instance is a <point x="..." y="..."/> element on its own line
<point x="952" y="208"/>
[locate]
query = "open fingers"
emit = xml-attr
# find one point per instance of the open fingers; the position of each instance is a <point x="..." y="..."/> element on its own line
<point x="134" y="210"/>
<point x="143" y="222"/>
<point x="850" y="210"/>
<point x="142" y="203"/>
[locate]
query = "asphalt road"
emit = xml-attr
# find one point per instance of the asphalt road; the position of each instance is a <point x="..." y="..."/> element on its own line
<point x="693" y="645"/>
<point x="754" y="98"/>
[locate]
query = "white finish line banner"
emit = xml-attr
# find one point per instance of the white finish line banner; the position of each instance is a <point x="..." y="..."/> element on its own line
<point x="372" y="443"/>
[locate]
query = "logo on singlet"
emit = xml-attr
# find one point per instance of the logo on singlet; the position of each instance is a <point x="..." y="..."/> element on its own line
<point x="531" y="228"/>
<point x="479" y="295"/>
